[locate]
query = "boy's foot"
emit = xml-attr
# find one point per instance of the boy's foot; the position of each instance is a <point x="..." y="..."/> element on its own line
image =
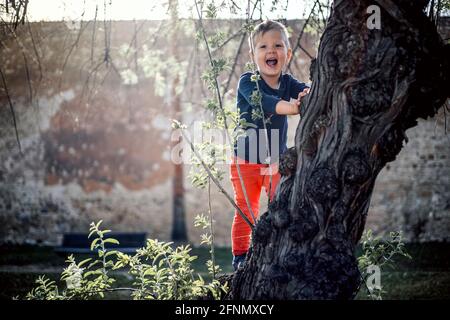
<point x="238" y="261"/>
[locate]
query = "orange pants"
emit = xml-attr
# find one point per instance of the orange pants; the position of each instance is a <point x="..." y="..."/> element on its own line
<point x="254" y="176"/>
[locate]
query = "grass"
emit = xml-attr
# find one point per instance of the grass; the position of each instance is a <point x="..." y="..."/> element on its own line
<point x="425" y="276"/>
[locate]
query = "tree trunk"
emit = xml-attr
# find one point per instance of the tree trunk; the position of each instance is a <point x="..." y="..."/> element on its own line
<point x="179" y="232"/>
<point x="369" y="86"/>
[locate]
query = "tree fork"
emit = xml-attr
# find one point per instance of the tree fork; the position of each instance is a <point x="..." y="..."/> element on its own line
<point x="369" y="87"/>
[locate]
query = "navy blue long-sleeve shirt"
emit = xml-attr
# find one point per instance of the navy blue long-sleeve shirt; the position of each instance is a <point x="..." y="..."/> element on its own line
<point x="252" y="146"/>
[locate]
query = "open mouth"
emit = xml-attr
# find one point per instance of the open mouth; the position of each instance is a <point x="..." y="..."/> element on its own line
<point x="271" y="62"/>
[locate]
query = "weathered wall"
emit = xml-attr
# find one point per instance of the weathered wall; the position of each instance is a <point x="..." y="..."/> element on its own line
<point x="412" y="194"/>
<point x="96" y="148"/>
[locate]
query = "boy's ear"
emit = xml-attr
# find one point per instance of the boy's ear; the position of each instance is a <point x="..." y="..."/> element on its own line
<point x="289" y="54"/>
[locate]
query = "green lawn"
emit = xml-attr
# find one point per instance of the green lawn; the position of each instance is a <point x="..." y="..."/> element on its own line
<point x="426" y="276"/>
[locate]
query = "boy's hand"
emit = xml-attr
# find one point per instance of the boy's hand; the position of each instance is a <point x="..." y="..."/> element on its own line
<point x="293" y="107"/>
<point x="300" y="97"/>
<point x="302" y="94"/>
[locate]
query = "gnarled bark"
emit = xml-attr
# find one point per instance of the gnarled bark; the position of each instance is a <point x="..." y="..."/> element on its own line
<point x="369" y="86"/>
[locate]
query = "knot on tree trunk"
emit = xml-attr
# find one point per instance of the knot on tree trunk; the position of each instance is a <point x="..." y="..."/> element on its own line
<point x="335" y="271"/>
<point x="323" y="186"/>
<point x="301" y="231"/>
<point x="355" y="168"/>
<point x="288" y="162"/>
<point x="263" y="229"/>
<point x="365" y="98"/>
<point x="280" y="219"/>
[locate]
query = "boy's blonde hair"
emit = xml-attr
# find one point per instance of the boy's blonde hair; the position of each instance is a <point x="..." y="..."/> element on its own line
<point x="266" y="26"/>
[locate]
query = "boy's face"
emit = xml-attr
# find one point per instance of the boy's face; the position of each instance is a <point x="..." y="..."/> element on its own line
<point x="271" y="53"/>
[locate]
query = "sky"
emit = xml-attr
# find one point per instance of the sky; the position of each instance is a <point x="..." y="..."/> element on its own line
<point x="146" y="9"/>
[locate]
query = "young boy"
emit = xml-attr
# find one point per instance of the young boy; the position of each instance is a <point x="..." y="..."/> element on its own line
<point x="270" y="51"/>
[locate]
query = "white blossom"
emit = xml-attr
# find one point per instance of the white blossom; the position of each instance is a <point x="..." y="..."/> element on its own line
<point x="73" y="281"/>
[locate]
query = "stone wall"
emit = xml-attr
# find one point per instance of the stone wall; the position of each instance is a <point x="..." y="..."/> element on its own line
<point x="95" y="146"/>
<point x="412" y="193"/>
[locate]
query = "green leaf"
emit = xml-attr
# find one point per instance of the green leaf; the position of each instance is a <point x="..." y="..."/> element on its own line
<point x="111" y="240"/>
<point x="149" y="272"/>
<point x="94" y="242"/>
<point x="84" y="262"/>
<point x="94" y="263"/>
<point x="110" y="253"/>
<point x="92" y="272"/>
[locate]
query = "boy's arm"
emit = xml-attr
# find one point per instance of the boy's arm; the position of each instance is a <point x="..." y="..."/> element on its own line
<point x="270" y="104"/>
<point x="290" y="108"/>
<point x="287" y="108"/>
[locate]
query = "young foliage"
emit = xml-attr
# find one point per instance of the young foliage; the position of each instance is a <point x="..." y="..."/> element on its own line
<point x="158" y="270"/>
<point x="379" y="252"/>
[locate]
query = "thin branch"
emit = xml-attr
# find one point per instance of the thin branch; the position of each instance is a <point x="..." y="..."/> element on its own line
<point x="305" y="51"/>
<point x="135" y="44"/>
<point x="214" y="179"/>
<point x="72" y="47"/>
<point x="211" y="229"/>
<point x="297" y="45"/>
<point x="36" y="53"/>
<point x="236" y="58"/>
<point x="19" y="42"/>
<point x="12" y="110"/>
<point x="93" y="34"/>
<point x="216" y="84"/>
<point x="234" y="35"/>
<point x="266" y="137"/>
<point x="27" y="71"/>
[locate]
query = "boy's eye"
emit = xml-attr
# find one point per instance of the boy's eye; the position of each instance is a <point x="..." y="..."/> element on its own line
<point x="279" y="45"/>
<point x="262" y="46"/>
